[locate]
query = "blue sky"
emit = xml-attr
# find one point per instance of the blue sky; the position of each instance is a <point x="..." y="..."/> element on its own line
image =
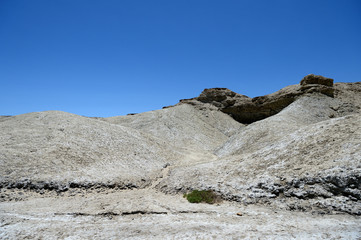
<point x="107" y="58"/>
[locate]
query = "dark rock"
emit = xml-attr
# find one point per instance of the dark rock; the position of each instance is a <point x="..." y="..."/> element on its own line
<point x="222" y="97"/>
<point x="247" y="110"/>
<point x="316" y="79"/>
<point x="316" y="83"/>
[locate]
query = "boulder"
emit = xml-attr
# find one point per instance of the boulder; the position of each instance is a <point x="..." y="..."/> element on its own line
<point x="221" y="97"/>
<point x="316" y="83"/>
<point x="316" y="79"/>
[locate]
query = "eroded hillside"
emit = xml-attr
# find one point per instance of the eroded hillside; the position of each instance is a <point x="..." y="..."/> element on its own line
<point x="295" y="149"/>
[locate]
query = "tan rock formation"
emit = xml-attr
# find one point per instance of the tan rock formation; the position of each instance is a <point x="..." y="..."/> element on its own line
<point x="247" y="110"/>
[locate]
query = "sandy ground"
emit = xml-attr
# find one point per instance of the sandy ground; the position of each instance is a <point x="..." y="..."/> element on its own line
<point x="149" y="214"/>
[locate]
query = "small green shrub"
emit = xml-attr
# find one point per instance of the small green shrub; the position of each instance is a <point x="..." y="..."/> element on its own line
<point x="207" y="196"/>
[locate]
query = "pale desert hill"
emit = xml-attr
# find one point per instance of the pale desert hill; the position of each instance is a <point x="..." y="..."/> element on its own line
<point x="57" y="148"/>
<point x="277" y="160"/>
<point x="184" y="126"/>
<point x="304" y="166"/>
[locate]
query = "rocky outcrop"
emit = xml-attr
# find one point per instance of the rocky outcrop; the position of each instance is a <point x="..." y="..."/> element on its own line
<point x="316" y="79"/>
<point x="315" y="83"/>
<point x="248" y="110"/>
<point x="221" y="97"/>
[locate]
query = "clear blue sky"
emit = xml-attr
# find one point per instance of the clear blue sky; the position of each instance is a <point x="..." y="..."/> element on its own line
<point x="107" y="58"/>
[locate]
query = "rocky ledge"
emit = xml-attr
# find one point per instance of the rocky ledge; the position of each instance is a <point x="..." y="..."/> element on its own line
<point x="247" y="110"/>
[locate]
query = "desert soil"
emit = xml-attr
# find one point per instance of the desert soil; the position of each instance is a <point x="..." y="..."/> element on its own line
<point x="150" y="214"/>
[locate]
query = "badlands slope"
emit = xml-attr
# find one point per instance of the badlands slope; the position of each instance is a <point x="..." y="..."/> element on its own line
<point x="278" y="161"/>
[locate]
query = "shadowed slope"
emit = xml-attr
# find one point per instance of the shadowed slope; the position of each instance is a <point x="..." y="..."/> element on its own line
<point x="306" y="110"/>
